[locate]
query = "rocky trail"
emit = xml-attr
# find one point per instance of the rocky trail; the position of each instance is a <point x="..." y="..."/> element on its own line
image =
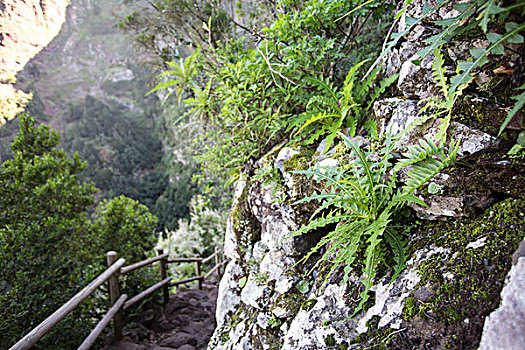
<point x="185" y="323"/>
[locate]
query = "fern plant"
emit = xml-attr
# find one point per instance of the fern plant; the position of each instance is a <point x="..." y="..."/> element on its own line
<point x="362" y="200"/>
<point x="333" y="109"/>
<point x="180" y="77"/>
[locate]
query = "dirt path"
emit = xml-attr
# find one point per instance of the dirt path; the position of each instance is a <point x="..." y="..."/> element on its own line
<point x="185" y="323"/>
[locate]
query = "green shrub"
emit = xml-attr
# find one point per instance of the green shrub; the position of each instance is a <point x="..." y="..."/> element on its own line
<point x="199" y="235"/>
<point x="49" y="248"/>
<point x="43" y="230"/>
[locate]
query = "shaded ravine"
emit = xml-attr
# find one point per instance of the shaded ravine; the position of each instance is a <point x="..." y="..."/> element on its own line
<point x="185" y="323"/>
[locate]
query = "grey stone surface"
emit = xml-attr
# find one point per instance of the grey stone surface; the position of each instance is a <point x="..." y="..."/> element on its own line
<point x="229" y="292"/>
<point x="505" y="327"/>
<point x="179" y="339"/>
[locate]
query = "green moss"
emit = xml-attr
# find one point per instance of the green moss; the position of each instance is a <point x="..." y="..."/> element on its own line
<point x="342" y="346"/>
<point x="483" y="114"/>
<point x="246" y="227"/>
<point x="468" y="281"/>
<point x="299" y="161"/>
<point x="329" y="340"/>
<point x="410" y="309"/>
<point x="291" y="302"/>
<point x="377" y="338"/>
<point x="308" y="304"/>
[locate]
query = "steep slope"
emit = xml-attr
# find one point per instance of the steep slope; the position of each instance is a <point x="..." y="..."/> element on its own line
<point x="26" y="27"/>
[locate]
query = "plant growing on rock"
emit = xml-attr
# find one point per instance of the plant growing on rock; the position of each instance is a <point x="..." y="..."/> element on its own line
<point x="252" y="91"/>
<point x="362" y="200"/>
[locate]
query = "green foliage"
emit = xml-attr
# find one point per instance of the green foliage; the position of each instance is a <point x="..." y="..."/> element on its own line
<point x="335" y="110"/>
<point x="43" y="230"/>
<point x="199" y="235"/>
<point x="49" y="249"/>
<point x="471" y="15"/>
<point x="253" y="92"/>
<point x="362" y="199"/>
<point x="181" y="76"/>
<point x="124" y="151"/>
<point x="125" y="226"/>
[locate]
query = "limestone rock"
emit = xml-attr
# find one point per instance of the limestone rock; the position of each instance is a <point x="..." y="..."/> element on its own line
<point x="396" y="114"/>
<point x="284" y="155"/>
<point x="439" y="207"/>
<point x="254" y="292"/>
<point x="229" y="292"/>
<point x="505" y="327"/>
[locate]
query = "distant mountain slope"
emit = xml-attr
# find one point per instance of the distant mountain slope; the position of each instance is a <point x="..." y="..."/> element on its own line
<point x="91" y="86"/>
<point x="26" y="26"/>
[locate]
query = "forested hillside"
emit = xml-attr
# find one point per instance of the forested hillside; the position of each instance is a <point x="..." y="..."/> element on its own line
<point x="91" y="86"/>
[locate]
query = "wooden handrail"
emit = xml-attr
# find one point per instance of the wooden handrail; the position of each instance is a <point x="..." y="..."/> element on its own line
<point x="119" y="302"/>
<point x="146" y="292"/>
<point x="142" y="263"/>
<point x="183" y="260"/>
<point x="191" y="279"/>
<point x="47" y="325"/>
<point x="92" y="337"/>
<point x="205" y="260"/>
<point x="215" y="268"/>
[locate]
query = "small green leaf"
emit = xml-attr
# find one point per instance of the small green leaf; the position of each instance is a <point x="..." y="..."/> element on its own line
<point x="462" y="7"/>
<point x="242" y="282"/>
<point x="516" y="39"/>
<point x="477" y="52"/>
<point x="493" y="37"/>
<point x="303" y="287"/>
<point x="499" y="49"/>
<point x="434" y="188"/>
<point x="510" y="26"/>
<point x="410" y="20"/>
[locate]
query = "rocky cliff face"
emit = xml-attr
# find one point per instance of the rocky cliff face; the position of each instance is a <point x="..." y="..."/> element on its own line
<point x="26" y="27"/>
<point x="460" y="246"/>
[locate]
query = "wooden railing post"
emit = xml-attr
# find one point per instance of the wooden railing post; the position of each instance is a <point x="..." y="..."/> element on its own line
<point x="114" y="295"/>
<point x="218" y="261"/>
<point x="198" y="270"/>
<point x="163" y="276"/>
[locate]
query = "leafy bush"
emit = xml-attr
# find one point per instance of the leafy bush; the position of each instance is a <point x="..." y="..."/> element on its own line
<point x="199" y="235"/>
<point x="49" y="248"/>
<point x="43" y="229"/>
<point x="252" y="91"/>
<point x="125" y="226"/>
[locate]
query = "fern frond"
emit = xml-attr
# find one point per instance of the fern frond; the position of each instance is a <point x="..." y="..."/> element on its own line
<point x="314" y="119"/>
<point x="325" y="85"/>
<point x="380" y="89"/>
<point x="399" y="249"/>
<point x="438" y="72"/>
<point x="331" y="218"/>
<point x="319" y="102"/>
<point x="348" y="86"/>
<point x="369" y="271"/>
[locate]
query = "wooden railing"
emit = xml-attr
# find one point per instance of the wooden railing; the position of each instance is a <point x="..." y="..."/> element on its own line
<point x="119" y="302"/>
